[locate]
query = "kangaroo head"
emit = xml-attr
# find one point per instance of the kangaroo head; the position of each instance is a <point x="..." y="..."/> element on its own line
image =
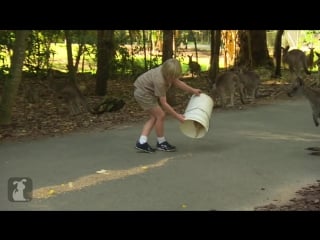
<point x="311" y="50"/>
<point x="285" y="50"/>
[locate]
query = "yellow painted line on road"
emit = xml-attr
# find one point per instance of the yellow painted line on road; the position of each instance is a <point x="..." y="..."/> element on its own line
<point x="93" y="179"/>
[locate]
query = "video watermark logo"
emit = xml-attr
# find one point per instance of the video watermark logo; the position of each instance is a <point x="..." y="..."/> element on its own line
<point x="20" y="189"/>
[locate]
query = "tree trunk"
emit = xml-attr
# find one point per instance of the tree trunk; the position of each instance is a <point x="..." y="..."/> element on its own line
<point x="144" y="41"/>
<point x="250" y="60"/>
<point x="167" y="45"/>
<point x="176" y="38"/>
<point x="195" y="43"/>
<point x="105" y="55"/>
<point x="214" y="58"/>
<point x="277" y="54"/>
<point x="81" y="50"/>
<point x="167" y="54"/>
<point x="71" y="68"/>
<point x="253" y="49"/>
<point x="11" y="84"/>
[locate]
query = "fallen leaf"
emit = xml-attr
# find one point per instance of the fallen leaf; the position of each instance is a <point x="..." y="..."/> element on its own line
<point x="51" y="192"/>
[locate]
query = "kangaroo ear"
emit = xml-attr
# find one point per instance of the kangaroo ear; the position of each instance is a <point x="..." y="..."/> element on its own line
<point x="285" y="49"/>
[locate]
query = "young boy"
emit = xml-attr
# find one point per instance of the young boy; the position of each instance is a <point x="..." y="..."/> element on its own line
<point x="150" y="93"/>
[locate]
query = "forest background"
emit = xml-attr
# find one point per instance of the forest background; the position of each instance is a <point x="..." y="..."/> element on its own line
<point x="48" y="78"/>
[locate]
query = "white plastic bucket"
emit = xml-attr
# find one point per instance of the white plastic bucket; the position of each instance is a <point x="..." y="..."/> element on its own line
<point x="197" y="116"/>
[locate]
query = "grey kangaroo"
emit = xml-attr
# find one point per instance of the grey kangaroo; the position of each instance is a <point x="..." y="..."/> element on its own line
<point x="313" y="96"/>
<point x="226" y="86"/>
<point x="296" y="60"/>
<point x="251" y="82"/>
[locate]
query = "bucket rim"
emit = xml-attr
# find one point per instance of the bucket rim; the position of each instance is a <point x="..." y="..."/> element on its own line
<point x="206" y="126"/>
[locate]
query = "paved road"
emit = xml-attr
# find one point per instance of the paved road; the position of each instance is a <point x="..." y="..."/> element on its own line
<point x="249" y="158"/>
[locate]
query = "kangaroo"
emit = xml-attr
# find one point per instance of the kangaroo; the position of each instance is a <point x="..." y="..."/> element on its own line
<point x="194" y="67"/>
<point x="226" y="85"/>
<point x="296" y="60"/>
<point x="251" y="82"/>
<point x="313" y="96"/>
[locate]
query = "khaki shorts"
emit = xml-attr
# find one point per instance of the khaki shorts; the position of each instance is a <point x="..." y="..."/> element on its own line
<point x="145" y="100"/>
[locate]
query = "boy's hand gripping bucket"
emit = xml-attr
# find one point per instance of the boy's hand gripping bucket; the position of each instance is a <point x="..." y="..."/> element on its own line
<point x="197" y="116"/>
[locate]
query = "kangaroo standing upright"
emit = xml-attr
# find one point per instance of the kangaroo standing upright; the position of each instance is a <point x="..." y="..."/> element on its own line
<point x="297" y="61"/>
<point x="250" y="81"/>
<point x="226" y="86"/>
<point x="313" y="96"/>
<point x="194" y="67"/>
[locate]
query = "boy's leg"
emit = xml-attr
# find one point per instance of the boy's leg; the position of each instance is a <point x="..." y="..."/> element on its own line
<point x="162" y="143"/>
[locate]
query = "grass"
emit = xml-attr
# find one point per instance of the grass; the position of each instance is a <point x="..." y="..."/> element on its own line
<point x="60" y="60"/>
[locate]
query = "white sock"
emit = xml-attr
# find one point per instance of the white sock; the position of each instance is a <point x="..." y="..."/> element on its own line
<point x="143" y="139"/>
<point x="161" y="139"/>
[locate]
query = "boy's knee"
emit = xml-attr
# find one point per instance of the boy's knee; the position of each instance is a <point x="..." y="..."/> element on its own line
<point x="161" y="115"/>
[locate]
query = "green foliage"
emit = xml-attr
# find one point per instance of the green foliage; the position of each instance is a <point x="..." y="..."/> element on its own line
<point x="38" y="52"/>
<point x="6" y="46"/>
<point x="129" y="61"/>
<point x="309" y="37"/>
<point x="46" y="49"/>
<point x="84" y="36"/>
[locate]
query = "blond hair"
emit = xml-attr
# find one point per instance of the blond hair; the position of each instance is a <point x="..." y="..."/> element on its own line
<point x="171" y="69"/>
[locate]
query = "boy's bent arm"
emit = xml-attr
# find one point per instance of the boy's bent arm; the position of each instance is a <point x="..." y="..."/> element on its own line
<point x="167" y="108"/>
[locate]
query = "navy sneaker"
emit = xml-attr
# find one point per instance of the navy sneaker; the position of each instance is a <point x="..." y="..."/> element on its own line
<point x="145" y="147"/>
<point x="165" y="146"/>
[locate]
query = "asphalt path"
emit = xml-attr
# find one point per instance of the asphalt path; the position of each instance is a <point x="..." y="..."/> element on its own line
<point x="248" y="158"/>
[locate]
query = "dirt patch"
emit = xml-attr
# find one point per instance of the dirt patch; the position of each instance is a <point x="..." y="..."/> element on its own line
<point x="307" y="199"/>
